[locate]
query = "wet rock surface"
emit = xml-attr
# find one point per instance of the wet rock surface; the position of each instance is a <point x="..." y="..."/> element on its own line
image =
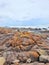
<point x="23" y="47"/>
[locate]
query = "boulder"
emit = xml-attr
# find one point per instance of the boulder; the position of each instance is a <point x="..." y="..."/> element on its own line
<point x="34" y="54"/>
<point x="2" y="60"/>
<point x="44" y="58"/>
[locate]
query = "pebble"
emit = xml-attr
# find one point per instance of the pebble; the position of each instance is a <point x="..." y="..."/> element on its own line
<point x="29" y="60"/>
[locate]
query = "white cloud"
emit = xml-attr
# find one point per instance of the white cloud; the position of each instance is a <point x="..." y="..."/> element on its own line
<point x="24" y="9"/>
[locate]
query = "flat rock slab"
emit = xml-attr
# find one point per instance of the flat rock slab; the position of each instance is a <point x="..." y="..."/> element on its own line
<point x="35" y="63"/>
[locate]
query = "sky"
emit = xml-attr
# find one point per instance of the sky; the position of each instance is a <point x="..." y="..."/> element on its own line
<point x="24" y="13"/>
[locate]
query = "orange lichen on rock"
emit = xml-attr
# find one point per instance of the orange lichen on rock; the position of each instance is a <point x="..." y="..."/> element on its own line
<point x="34" y="54"/>
<point x="24" y="38"/>
<point x="15" y="41"/>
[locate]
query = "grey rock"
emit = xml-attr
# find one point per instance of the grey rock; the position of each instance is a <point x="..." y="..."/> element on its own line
<point x="44" y="58"/>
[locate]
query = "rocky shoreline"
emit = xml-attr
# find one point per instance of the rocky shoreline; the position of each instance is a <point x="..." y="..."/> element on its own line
<point x="21" y="47"/>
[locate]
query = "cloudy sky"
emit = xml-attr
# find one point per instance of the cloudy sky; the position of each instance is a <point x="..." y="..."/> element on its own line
<point x="24" y="12"/>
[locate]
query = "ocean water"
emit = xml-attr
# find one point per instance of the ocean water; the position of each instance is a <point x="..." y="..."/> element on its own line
<point x="26" y="23"/>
